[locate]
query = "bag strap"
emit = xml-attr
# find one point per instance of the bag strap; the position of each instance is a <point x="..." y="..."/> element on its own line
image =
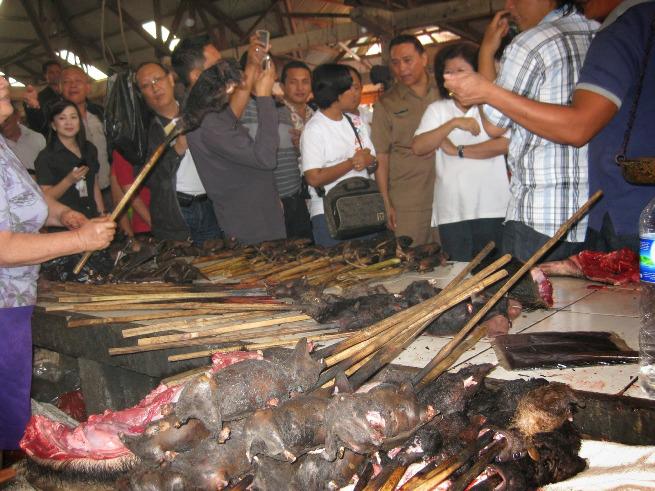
<point x="352" y="125"/>
<point x="635" y="101"/>
<point x="320" y="190"/>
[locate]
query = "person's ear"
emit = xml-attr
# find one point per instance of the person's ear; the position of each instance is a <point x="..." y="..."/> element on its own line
<point x="194" y="75"/>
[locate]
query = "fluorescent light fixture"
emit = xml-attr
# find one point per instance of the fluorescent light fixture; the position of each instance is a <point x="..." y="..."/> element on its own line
<point x="151" y="28"/>
<point x="73" y="59"/>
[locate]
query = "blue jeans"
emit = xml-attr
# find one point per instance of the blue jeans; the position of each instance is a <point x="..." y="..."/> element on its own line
<point x="321" y="234"/>
<point x="200" y="218"/>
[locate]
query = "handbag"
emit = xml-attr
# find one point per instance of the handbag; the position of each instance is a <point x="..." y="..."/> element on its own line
<point x="637" y="170"/>
<point x="354" y="206"/>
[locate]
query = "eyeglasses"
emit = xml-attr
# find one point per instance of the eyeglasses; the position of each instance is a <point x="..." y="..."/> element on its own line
<point x="149" y="85"/>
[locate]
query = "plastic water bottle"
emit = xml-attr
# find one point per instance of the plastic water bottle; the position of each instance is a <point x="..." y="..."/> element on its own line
<point x="647" y="277"/>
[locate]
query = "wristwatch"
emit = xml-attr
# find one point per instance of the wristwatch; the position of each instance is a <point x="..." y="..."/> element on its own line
<point x="460" y="151"/>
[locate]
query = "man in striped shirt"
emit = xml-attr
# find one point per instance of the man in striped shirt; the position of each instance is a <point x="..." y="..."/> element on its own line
<point x="549" y="180"/>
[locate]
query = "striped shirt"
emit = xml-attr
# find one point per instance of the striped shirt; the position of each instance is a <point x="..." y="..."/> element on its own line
<point x="549" y="181"/>
<point x="287" y="172"/>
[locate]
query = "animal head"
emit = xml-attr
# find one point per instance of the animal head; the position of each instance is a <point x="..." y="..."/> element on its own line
<point x="211" y="92"/>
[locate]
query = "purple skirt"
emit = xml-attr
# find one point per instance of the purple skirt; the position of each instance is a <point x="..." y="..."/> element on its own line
<point x="15" y="374"/>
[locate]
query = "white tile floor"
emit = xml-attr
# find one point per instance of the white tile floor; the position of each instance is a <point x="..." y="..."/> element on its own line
<point x="580" y="305"/>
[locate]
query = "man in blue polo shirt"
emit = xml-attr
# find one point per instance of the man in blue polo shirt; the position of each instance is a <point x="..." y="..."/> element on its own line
<point x="598" y="114"/>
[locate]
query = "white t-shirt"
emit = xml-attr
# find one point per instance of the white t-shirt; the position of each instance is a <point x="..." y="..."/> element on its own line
<point x="325" y="143"/>
<point x="27" y="148"/>
<point x="465" y="189"/>
<point x="187" y="180"/>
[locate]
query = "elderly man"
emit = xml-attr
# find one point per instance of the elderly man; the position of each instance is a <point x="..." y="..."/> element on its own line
<point x="24" y="142"/>
<point x="406" y="181"/>
<point x="235" y="167"/>
<point x="549" y="179"/>
<point x="35" y="103"/>
<point x="179" y="206"/>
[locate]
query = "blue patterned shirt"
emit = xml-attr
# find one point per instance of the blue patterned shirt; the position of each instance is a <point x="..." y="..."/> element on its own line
<point x="549" y="181"/>
<point x="22" y="210"/>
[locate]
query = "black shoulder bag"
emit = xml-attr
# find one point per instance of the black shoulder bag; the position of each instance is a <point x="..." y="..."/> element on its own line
<point x="354" y="206"/>
<point x="637" y="170"/>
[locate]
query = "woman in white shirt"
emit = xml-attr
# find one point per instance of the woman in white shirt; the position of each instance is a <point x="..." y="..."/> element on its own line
<point x="472" y="188"/>
<point x="330" y="150"/>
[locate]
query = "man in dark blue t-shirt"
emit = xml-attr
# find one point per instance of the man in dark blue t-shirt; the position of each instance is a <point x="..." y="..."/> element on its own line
<point x="598" y="115"/>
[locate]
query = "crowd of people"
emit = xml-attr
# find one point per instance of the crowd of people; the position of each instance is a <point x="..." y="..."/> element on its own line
<point x="501" y="142"/>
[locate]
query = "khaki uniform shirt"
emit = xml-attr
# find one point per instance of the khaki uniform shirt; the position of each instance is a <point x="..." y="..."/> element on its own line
<point x="395" y="118"/>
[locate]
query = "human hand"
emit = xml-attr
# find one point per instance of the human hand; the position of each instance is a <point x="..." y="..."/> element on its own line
<point x="77" y="174"/>
<point x="72" y="219"/>
<point x="295" y="137"/>
<point x="448" y="147"/>
<point x="468" y="89"/>
<point x="180" y="145"/>
<point x="468" y="124"/>
<point x="362" y="159"/>
<point x="391" y="218"/>
<point x="96" y="233"/>
<point x="31" y="97"/>
<point x="495" y="32"/>
<point x="265" y="81"/>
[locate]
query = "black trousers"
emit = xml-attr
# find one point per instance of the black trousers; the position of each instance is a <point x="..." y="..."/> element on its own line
<point x="462" y="241"/>
<point x="296" y="217"/>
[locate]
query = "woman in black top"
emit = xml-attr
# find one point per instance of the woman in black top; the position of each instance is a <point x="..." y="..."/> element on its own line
<point x="67" y="169"/>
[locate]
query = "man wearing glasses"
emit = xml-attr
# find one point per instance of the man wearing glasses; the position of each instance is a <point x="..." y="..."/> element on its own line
<point x="179" y="206"/>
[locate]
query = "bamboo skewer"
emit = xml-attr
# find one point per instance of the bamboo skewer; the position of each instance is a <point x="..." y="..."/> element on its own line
<point x="429" y="372"/>
<point x="346" y="348"/>
<point x="215" y="307"/>
<point x="221" y="339"/>
<point x="222" y="330"/>
<point x="143" y="297"/>
<point x="171" y="132"/>
<point x="419" y="320"/>
<point x="187" y="324"/>
<point x="99" y="321"/>
<point x="256" y="346"/>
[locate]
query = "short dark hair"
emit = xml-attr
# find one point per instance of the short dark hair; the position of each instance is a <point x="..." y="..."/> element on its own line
<point x="570" y="6"/>
<point x="463" y="49"/>
<point x="407" y="38"/>
<point x="189" y="54"/>
<point x="47" y="64"/>
<point x="290" y="66"/>
<point x="329" y="81"/>
<point x="57" y="108"/>
<point x="354" y="70"/>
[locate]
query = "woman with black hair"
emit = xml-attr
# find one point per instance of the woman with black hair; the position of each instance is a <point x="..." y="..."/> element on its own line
<point x="471" y="188"/>
<point x="67" y="169"/>
<point x="330" y="145"/>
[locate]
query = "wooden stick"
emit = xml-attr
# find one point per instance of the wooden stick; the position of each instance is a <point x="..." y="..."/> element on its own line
<point x="424" y="376"/>
<point x="222" y="330"/>
<point x="254" y="346"/>
<point x="144" y="297"/>
<point x="171" y="132"/>
<point x="215" y="307"/>
<point x="434" y="304"/>
<point x="185" y="325"/>
<point x="471" y="265"/>
<point x="101" y="321"/>
<point x="420" y="320"/>
<point x="221" y="339"/>
<point x="439" y="474"/>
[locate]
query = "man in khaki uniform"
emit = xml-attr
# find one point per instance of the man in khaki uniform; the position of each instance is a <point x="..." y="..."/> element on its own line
<point x="405" y="180"/>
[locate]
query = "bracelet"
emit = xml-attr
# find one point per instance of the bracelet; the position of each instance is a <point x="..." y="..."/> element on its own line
<point x="460" y="151"/>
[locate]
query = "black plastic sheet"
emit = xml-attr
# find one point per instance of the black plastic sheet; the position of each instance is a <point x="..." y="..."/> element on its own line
<point x="126" y="118"/>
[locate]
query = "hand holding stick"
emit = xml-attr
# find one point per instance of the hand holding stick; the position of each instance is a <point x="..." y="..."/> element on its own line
<point x="171" y="131"/>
